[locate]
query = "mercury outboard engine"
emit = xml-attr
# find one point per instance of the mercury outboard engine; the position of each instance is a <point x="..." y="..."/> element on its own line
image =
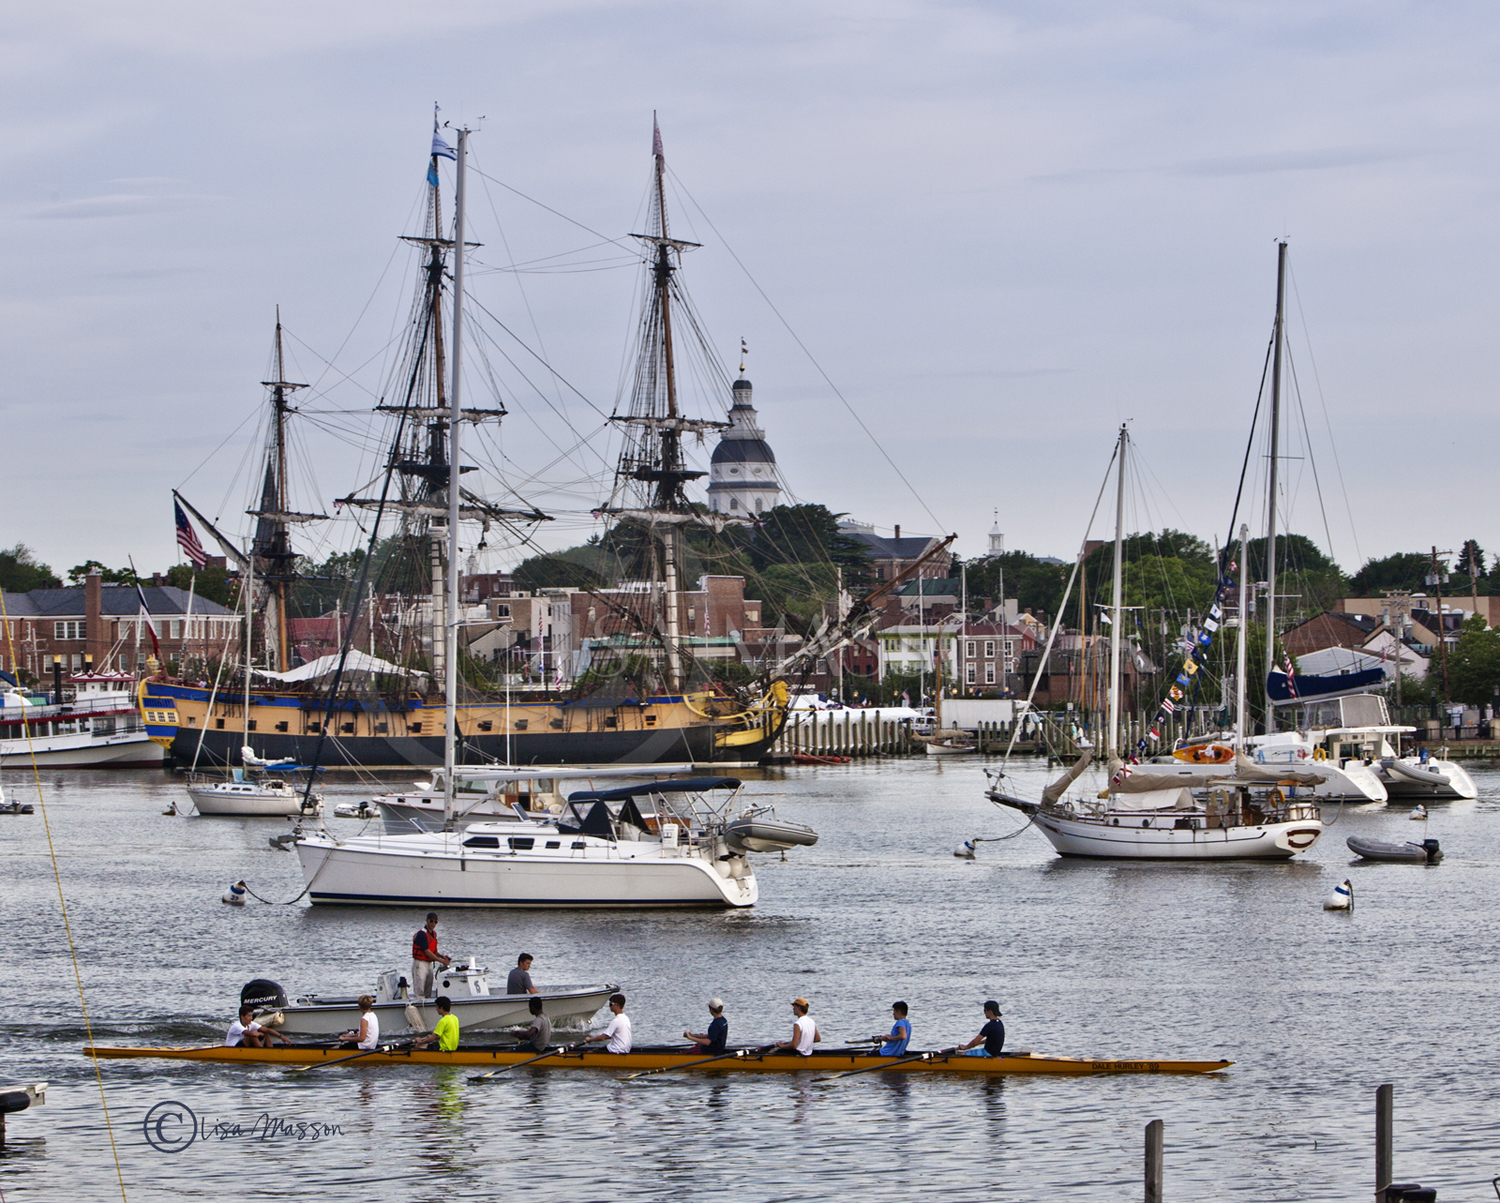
<point x="263" y="994"/>
<point x="1434" y="853"/>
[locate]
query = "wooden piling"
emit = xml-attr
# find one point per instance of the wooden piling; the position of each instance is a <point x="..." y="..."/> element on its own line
<point x="1154" y="1140"/>
<point x="1384" y="1115"/>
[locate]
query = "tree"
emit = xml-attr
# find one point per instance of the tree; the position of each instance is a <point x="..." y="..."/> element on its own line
<point x="1404" y="570"/>
<point x="110" y="576"/>
<point x="1471" y="559"/>
<point x="21" y="571"/>
<point x="1474" y="664"/>
<point x="214" y="582"/>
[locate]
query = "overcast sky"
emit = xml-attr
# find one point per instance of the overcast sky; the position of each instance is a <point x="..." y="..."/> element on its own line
<point x="1000" y="229"/>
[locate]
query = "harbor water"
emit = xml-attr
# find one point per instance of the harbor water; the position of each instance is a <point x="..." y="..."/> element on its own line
<point x="1202" y="961"/>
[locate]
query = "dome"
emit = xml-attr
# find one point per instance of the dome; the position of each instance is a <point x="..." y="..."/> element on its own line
<point x="741" y="385"/>
<point x="743" y="451"/>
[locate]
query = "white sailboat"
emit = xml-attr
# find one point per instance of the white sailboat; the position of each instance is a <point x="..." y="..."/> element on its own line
<point x="1241" y="810"/>
<point x="662" y="843"/>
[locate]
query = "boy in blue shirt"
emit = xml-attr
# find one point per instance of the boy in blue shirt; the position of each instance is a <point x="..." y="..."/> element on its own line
<point x="717" y="1036"/>
<point x="895" y="1044"/>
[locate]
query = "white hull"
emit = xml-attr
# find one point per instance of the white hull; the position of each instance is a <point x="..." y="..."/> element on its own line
<point x="1164" y="841"/>
<point x="243" y="805"/>
<point x="438" y="871"/>
<point x="950" y="749"/>
<point x="1351" y="781"/>
<point x="1407" y="780"/>
<point x="565" y="1009"/>
<point x="83" y="751"/>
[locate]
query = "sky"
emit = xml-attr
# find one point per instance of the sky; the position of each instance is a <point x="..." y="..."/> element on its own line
<point x="963" y="241"/>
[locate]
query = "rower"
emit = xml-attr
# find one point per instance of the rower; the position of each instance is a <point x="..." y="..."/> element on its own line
<point x="539" y="1035"/>
<point x="618" y="1031"/>
<point x="992" y="1035"/>
<point x="367" y="1035"/>
<point x="244" y="1032"/>
<point x="424" y="956"/>
<point x="717" y="1036"/>
<point x="519" y="981"/>
<point x="895" y="1044"/>
<point x="445" y="1031"/>
<point x="804" y="1031"/>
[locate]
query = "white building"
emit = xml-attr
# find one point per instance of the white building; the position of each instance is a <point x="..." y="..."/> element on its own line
<point x="742" y="474"/>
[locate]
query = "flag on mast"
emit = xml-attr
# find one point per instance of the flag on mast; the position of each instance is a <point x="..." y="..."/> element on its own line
<point x="146" y="610"/>
<point x="440" y="150"/>
<point x="187" y="539"/>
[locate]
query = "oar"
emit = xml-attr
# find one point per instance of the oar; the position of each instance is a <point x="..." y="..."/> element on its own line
<point x="732" y="1053"/>
<point x="551" y="1052"/>
<point x="869" y="1069"/>
<point x="302" y="1069"/>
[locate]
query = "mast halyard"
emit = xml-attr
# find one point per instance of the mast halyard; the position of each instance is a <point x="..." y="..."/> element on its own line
<point x="1271" y="490"/>
<point x="1116" y="626"/>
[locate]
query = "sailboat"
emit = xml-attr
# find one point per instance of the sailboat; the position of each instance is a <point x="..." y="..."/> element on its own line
<point x="1245" y="812"/>
<point x="939" y="742"/>
<point x="656" y="843"/>
<point x="406" y="716"/>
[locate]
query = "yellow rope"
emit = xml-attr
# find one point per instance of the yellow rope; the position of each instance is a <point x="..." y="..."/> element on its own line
<point x="62" y="902"/>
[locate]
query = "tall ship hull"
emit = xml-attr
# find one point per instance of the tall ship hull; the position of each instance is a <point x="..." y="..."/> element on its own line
<point x="703" y="728"/>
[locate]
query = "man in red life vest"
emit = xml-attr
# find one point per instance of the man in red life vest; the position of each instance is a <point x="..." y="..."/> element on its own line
<point x="425" y="958"/>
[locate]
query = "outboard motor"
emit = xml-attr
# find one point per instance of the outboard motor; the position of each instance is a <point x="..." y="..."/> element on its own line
<point x="263" y="994"/>
<point x="1434" y="853"/>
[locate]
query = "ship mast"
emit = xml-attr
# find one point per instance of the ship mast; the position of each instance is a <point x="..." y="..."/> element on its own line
<point x="1271" y="488"/>
<point x="455" y="423"/>
<point x="655" y="459"/>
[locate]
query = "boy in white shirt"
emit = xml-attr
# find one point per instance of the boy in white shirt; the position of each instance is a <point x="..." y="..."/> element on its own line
<point x="804" y="1030"/>
<point x="618" y="1031"/>
<point x="244" y="1032"/>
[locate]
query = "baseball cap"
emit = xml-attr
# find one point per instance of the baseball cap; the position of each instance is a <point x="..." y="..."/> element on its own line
<point x="800" y="1002"/>
<point x="716" y="1004"/>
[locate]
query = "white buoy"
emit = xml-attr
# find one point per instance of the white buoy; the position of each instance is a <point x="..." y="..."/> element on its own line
<point x="1342" y="898"/>
<point x="965" y="850"/>
<point x="235" y="894"/>
<point x="171" y="809"/>
<point x="1420" y="812"/>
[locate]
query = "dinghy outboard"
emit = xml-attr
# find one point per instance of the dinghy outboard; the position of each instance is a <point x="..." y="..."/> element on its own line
<point x="1425" y="853"/>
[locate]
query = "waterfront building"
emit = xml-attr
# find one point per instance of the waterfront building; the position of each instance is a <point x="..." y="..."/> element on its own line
<point x="894" y="555"/>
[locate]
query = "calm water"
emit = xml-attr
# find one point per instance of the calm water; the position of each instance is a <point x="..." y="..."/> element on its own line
<point x="1202" y="961"/>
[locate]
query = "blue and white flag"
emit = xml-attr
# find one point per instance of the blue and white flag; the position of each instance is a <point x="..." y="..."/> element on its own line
<point x="440" y="149"/>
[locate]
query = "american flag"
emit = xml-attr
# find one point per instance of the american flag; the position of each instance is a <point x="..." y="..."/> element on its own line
<point x="187" y="539"/>
<point x="1291" y="681"/>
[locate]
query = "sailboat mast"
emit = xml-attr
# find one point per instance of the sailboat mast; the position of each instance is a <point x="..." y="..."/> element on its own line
<point x="1271" y="491"/>
<point x="1239" y="651"/>
<point x="249" y="635"/>
<point x="455" y="414"/>
<point x="1114" y="614"/>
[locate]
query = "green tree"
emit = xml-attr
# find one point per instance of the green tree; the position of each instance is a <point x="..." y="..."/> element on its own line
<point x="21" y="571"/>
<point x="1404" y="570"/>
<point x="214" y="582"/>
<point x="110" y="576"/>
<point x="1474" y="664"/>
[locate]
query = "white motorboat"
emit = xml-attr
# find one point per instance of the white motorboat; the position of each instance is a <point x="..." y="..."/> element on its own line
<point x="467" y="987"/>
<point x="494" y="795"/>
<point x="255" y="792"/>
<point x="99" y="727"/>
<point x="657" y="843"/>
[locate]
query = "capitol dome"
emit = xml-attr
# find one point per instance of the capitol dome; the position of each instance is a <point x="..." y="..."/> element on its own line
<point x="742" y="472"/>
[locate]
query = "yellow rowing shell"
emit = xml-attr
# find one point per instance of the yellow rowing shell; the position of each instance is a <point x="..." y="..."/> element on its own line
<point x="750" y="1062"/>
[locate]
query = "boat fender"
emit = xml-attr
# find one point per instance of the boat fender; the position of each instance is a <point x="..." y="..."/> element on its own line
<point x="1320" y="753"/>
<point x="965" y="850"/>
<point x="1342" y="898"/>
<point x="235" y="894"/>
<point x="1419" y="813"/>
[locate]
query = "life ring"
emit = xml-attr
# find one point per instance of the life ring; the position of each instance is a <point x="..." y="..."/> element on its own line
<point x="1277" y="798"/>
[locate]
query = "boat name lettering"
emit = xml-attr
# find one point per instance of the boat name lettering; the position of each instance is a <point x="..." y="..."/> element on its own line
<point x="173" y="1127"/>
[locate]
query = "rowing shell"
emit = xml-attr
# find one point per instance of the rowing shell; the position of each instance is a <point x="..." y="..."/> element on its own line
<point x="674" y="1058"/>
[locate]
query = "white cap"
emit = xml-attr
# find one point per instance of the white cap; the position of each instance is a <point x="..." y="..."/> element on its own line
<point x="716" y="1004"/>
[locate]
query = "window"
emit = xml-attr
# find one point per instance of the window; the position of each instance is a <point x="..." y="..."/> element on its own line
<point x="757" y="500"/>
<point x="989" y="649"/>
<point x="521" y="724"/>
<point x="521" y="843"/>
<point x="969" y="649"/>
<point x="69" y="630"/>
<point x="482" y="841"/>
<point x="176" y="629"/>
<point x="1009" y="646"/>
<point x="989" y="674"/>
<point x="734" y="503"/>
<point x="969" y="674"/>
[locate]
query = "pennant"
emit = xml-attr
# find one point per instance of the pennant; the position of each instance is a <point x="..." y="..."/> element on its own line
<point x="1183" y="679"/>
<point x="1168" y="707"/>
<point x="1155" y="734"/>
<point x="1190" y="667"/>
<point x="1175" y="694"/>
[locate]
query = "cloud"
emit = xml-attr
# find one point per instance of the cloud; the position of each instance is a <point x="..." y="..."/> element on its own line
<point x="120" y="204"/>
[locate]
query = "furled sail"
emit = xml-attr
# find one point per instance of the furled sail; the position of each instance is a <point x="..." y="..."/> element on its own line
<point x="1056" y="790"/>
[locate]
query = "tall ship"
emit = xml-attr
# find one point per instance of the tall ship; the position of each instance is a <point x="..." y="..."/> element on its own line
<point x="645" y="698"/>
